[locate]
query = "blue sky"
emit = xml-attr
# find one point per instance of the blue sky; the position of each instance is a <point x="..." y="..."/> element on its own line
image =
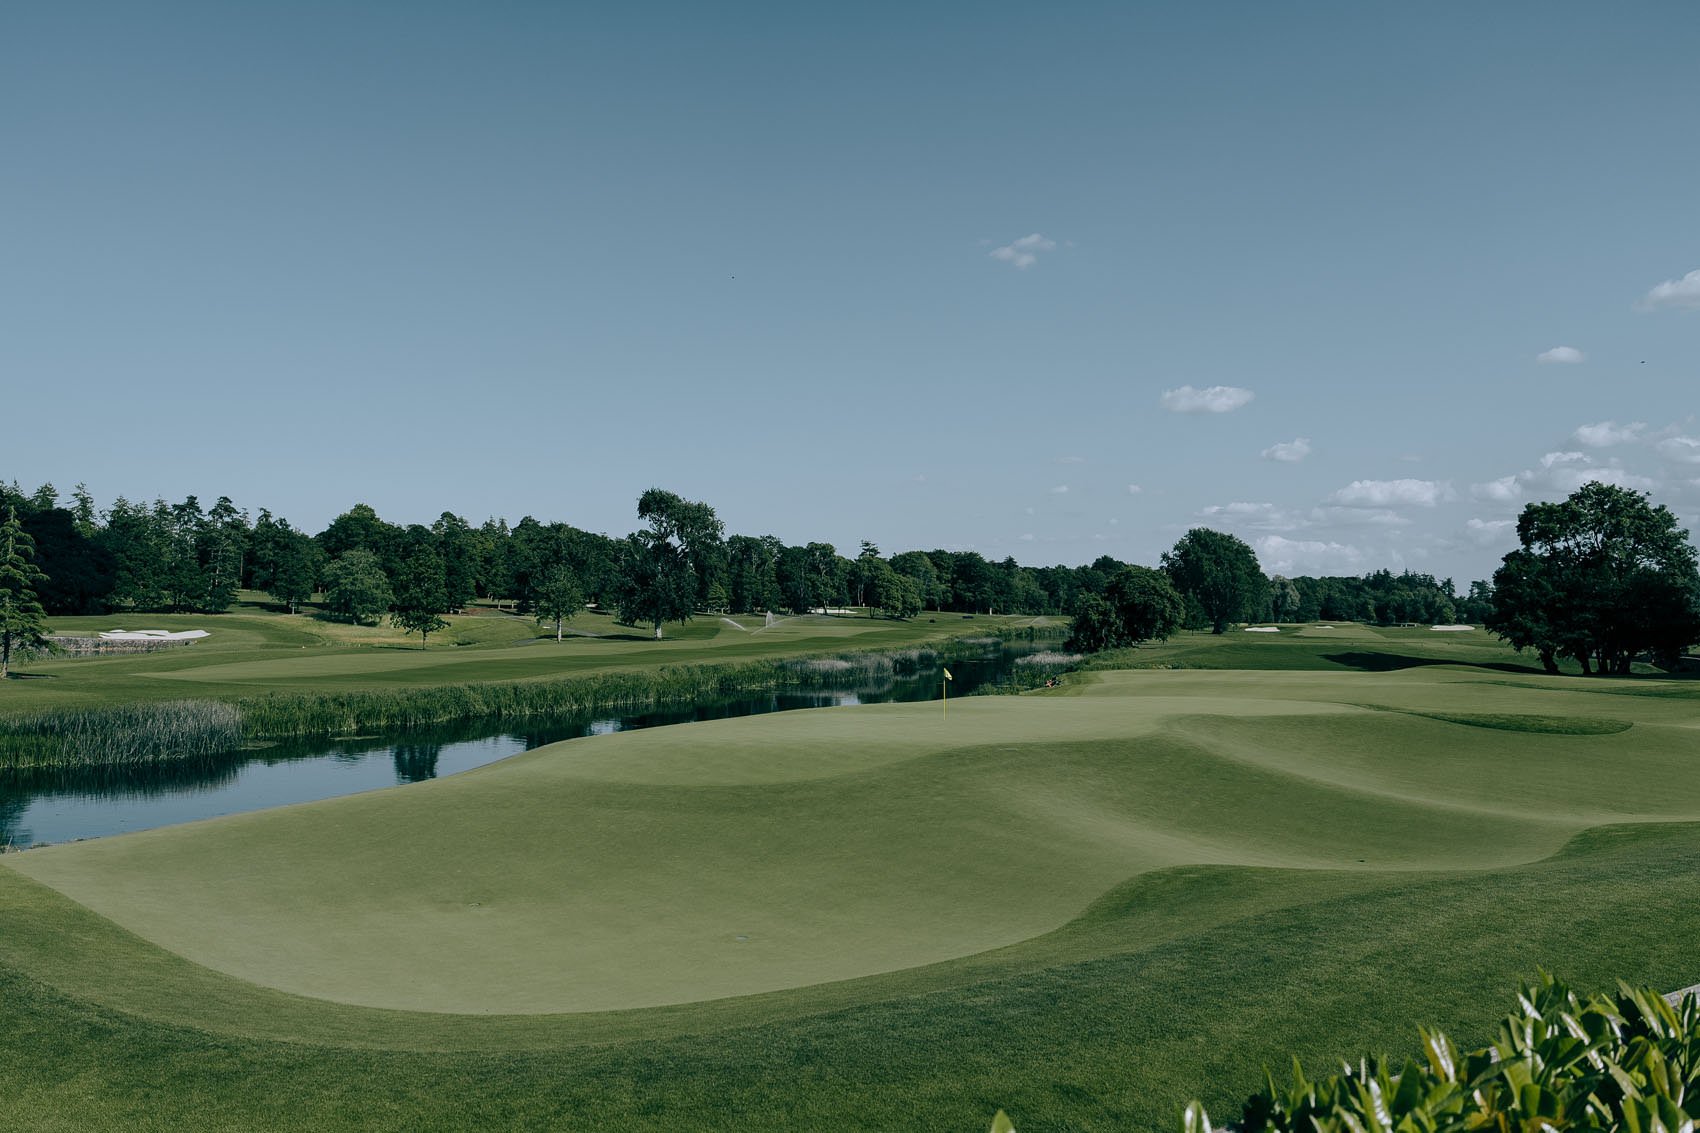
<point x="1045" y="281"/>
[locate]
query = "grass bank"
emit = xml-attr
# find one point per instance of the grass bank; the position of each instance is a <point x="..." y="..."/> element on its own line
<point x="1082" y="906"/>
<point x="198" y="732"/>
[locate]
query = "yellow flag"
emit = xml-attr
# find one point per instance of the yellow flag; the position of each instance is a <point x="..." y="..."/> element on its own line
<point x="947" y="675"/>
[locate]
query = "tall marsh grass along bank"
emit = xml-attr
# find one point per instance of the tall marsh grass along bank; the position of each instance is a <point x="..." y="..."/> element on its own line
<point x="1036" y="670"/>
<point x="136" y="735"/>
<point x="335" y="714"/>
<point x="199" y="731"/>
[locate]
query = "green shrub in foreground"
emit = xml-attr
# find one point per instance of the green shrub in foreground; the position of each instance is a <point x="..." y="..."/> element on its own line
<point x="1629" y="1062"/>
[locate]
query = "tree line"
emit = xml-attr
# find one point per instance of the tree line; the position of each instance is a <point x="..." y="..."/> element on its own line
<point x="1600" y="578"/>
<point x="183" y="557"/>
<point x="1603" y="578"/>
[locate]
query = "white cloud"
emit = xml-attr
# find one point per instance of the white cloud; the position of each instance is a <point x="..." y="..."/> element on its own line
<point x="1023" y="253"/>
<point x="1684" y="450"/>
<point x="1559" y="474"/>
<point x="1563" y="354"/>
<point x="1256" y="516"/>
<point x="1567" y="480"/>
<point x="1071" y="460"/>
<point x="1356" y="517"/>
<point x="1504" y="490"/>
<point x="1215" y="399"/>
<point x="1288" y="452"/>
<point x="1060" y="490"/>
<point x="1134" y="489"/>
<point x="1608" y="433"/>
<point x="1386" y="493"/>
<point x="1684" y="292"/>
<point x="1280" y="555"/>
<point x="1563" y="472"/>
<point x="1027" y="538"/>
<point x="1490" y="532"/>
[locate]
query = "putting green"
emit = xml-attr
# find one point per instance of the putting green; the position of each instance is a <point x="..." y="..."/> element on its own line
<point x="745" y="856"/>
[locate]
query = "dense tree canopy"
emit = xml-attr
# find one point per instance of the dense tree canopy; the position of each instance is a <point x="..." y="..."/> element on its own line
<point x="1139" y="604"/>
<point x="162" y="556"/>
<point x="356" y="587"/>
<point x="669" y="568"/>
<point x="1218" y="576"/>
<point x="1599" y="578"/>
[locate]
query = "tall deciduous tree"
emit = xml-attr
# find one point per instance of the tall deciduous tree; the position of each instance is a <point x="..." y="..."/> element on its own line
<point x="355" y="586"/>
<point x="1600" y="578"/>
<point x="1138" y="604"/>
<point x="421" y="587"/>
<point x="22" y="620"/>
<point x="665" y="567"/>
<point x="1218" y="573"/>
<point x="557" y="597"/>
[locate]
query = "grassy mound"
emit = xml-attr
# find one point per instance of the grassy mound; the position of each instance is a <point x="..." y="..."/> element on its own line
<point x="1077" y="906"/>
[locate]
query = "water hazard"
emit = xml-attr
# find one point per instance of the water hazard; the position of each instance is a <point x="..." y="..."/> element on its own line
<point x="62" y="807"/>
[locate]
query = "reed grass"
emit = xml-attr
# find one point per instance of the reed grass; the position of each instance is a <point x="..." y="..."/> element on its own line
<point x="133" y="735"/>
<point x="199" y="731"/>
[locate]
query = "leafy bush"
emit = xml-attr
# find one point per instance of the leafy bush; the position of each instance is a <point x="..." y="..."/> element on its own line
<point x="1629" y="1062"/>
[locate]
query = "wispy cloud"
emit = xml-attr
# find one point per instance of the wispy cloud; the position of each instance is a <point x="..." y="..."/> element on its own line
<point x="1559" y="474"/>
<point x="1060" y="490"/>
<point x="1684" y="292"/>
<point x="1568" y="355"/>
<point x="1277" y="554"/>
<point x="1214" y="399"/>
<point x="1252" y="516"/>
<point x="1134" y="489"/>
<point x="1490" y="532"/>
<point x="1023" y="253"/>
<point x="1506" y="489"/>
<point x="1683" y="450"/>
<point x="1608" y="433"/>
<point x="1071" y="460"/>
<point x="1391" y="493"/>
<point x="1288" y="452"/>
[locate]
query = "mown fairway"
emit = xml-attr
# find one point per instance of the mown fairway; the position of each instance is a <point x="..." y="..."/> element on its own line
<point x="1081" y="906"/>
<point x="252" y="652"/>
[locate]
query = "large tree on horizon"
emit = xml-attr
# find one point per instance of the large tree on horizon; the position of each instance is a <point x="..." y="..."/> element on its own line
<point x="1599" y="577"/>
<point x="1138" y="604"/>
<point x="666" y="567"/>
<point x="1218" y="574"/>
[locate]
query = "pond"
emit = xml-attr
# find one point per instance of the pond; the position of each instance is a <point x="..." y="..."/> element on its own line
<point x="63" y="807"/>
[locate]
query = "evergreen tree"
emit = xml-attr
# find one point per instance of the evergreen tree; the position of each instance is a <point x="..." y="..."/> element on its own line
<point x="22" y="620"/>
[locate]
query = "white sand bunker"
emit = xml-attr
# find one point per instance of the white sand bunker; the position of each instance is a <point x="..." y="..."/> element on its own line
<point x="1451" y="629"/>
<point x="1261" y="629"/>
<point x="152" y="635"/>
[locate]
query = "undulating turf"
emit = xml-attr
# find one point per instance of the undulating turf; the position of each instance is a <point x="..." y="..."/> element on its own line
<point x="253" y="652"/>
<point x="1082" y="906"/>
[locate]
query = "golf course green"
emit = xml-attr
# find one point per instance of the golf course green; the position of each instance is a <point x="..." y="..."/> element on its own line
<point x="1082" y="905"/>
